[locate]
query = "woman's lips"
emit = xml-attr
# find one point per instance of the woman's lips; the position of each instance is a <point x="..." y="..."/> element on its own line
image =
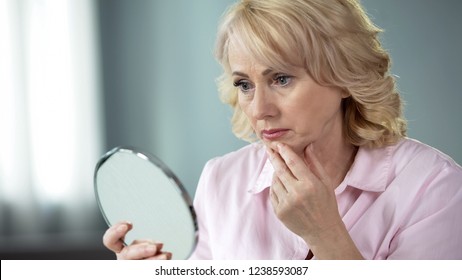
<point x="273" y="134"/>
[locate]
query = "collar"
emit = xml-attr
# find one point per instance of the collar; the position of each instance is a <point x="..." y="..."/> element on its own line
<point x="370" y="171"/>
<point x="264" y="179"/>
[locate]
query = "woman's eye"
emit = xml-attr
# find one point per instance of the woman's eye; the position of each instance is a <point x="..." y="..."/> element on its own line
<point x="244" y="86"/>
<point x="282" y="80"/>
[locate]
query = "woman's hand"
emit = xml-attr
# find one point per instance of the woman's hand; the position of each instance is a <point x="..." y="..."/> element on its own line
<point x="138" y="250"/>
<point x="304" y="200"/>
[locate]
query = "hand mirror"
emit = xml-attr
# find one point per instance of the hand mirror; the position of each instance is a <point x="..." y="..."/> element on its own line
<point x="135" y="186"/>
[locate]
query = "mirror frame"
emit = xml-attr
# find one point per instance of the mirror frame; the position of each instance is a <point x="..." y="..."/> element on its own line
<point x="158" y="163"/>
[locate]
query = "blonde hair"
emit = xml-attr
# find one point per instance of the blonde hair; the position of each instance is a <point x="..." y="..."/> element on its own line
<point x="335" y="42"/>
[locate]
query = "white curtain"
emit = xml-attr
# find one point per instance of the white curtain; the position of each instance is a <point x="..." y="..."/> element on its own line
<point x="50" y="117"/>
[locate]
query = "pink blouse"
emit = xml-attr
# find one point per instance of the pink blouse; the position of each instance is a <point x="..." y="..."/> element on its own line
<point x="398" y="202"/>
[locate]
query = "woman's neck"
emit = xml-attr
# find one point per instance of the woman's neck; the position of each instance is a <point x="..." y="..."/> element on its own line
<point x="336" y="155"/>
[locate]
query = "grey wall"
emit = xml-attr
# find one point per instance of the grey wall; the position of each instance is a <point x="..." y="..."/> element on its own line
<point x="159" y="76"/>
<point x="424" y="38"/>
<point x="159" y="81"/>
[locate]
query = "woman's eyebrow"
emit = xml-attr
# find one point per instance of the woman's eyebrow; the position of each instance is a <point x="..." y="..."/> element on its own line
<point x="264" y="73"/>
<point x="267" y="71"/>
<point x="237" y="73"/>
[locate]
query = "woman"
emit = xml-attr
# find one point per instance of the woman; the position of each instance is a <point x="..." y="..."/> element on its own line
<point x="333" y="175"/>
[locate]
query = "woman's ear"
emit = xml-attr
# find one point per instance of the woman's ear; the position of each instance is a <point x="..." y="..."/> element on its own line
<point x="345" y="93"/>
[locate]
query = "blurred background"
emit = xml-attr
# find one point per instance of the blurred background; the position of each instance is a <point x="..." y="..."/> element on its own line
<point x="79" y="77"/>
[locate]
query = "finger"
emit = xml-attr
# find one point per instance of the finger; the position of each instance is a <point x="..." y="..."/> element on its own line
<point x="294" y="163"/>
<point x="161" y="256"/>
<point x="280" y="168"/>
<point x="113" y="238"/>
<point x="278" y="188"/>
<point x="139" y="251"/>
<point x="147" y="241"/>
<point x="159" y="245"/>
<point x="274" y="199"/>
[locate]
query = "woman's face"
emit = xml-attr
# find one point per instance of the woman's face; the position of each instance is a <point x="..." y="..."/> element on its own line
<point x="288" y="107"/>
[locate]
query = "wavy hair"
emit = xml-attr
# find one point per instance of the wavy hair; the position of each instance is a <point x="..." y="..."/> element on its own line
<point x="337" y="44"/>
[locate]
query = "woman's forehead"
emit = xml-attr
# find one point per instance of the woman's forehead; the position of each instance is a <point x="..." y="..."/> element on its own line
<point x="243" y="56"/>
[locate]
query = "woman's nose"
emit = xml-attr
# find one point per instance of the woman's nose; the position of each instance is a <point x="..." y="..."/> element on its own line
<point x="263" y="105"/>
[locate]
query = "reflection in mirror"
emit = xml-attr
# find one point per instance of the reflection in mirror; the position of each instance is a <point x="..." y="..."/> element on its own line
<point x="135" y="186"/>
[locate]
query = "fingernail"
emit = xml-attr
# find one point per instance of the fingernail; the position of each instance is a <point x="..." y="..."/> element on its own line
<point x="280" y="146"/>
<point x="122" y="228"/>
<point x="151" y="249"/>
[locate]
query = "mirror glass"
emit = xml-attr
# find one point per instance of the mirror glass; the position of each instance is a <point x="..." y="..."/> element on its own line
<point x="135" y="186"/>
